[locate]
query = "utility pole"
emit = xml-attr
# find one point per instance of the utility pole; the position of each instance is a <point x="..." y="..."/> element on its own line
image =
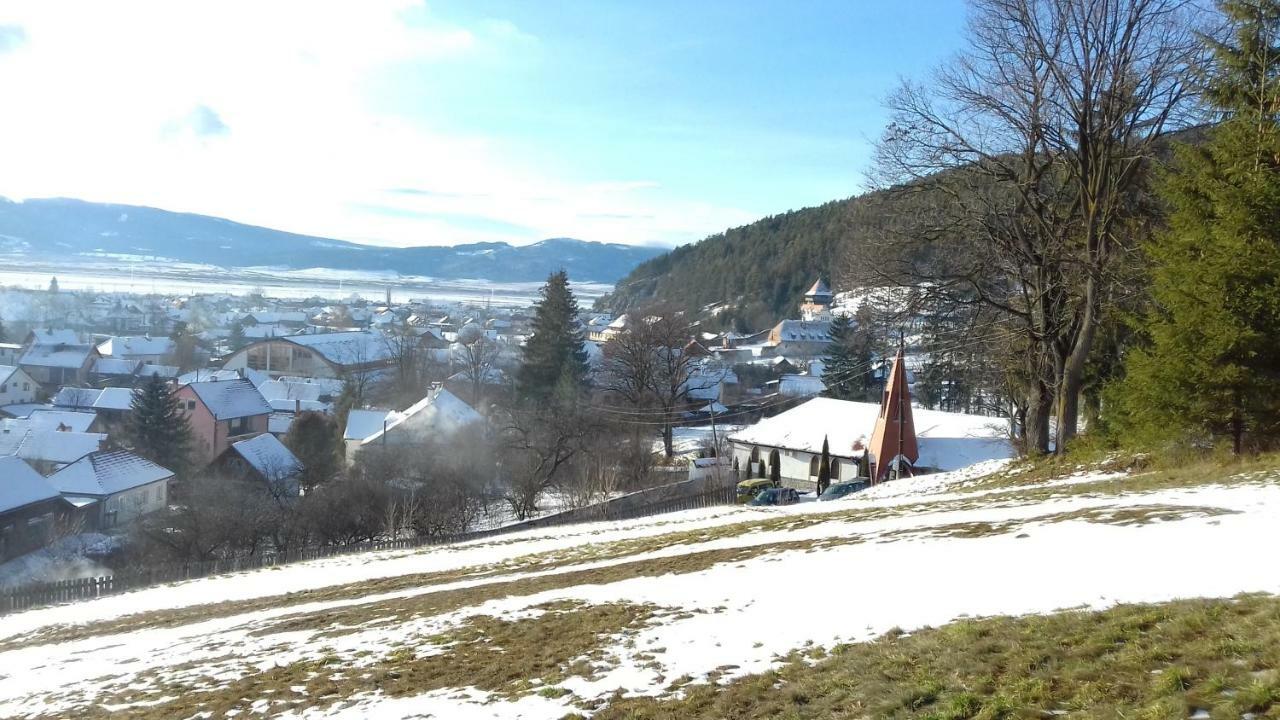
<point x="897" y="461"/>
<point x="715" y="441"/>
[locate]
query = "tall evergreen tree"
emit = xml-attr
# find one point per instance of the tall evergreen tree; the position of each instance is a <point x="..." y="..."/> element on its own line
<point x="1211" y="368"/>
<point x="555" y="352"/>
<point x="157" y="428"/>
<point x="824" y="467"/>
<point x="236" y="338"/>
<point x="847" y="365"/>
<point x="4" y="334"/>
<point x="775" y="468"/>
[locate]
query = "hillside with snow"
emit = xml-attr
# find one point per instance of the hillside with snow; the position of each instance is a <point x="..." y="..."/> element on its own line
<point x="730" y="611"/>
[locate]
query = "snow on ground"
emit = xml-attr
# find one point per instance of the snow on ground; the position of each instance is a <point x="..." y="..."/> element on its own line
<point x="916" y="552"/>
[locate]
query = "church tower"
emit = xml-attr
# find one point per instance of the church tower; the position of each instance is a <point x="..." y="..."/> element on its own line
<point x="895" y="432"/>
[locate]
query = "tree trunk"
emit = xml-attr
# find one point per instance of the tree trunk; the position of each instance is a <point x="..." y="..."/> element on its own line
<point x="1071" y="378"/>
<point x="1036" y="428"/>
<point x="667" y="434"/>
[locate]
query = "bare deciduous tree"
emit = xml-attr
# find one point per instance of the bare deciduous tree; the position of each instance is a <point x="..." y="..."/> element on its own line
<point x="1035" y="143"/>
<point x="647" y="367"/>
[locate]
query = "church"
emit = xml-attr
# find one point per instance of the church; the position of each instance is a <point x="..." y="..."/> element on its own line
<point x="892" y="438"/>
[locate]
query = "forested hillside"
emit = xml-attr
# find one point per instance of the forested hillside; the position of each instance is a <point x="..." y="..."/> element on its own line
<point x="758" y="271"/>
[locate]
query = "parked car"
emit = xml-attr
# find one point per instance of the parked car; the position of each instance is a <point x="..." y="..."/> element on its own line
<point x="841" y="489"/>
<point x="777" y="496"/>
<point x="748" y="489"/>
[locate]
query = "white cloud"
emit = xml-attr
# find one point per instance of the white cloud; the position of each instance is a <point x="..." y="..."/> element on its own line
<point x="257" y="111"/>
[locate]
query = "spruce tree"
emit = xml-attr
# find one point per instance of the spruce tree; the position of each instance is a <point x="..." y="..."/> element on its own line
<point x="1209" y="372"/>
<point x="824" y="467"/>
<point x="555" y="352"/>
<point x="157" y="428"/>
<point x="847" y="365"/>
<point x="236" y="338"/>
<point x="775" y="468"/>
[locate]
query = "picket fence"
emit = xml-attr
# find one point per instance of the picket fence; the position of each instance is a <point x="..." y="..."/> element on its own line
<point x="126" y="579"/>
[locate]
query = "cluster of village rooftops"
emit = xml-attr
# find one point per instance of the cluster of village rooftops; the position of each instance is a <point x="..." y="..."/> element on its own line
<point x="65" y="391"/>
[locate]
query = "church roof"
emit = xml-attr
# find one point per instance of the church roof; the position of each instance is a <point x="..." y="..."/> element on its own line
<point x="819" y="289"/>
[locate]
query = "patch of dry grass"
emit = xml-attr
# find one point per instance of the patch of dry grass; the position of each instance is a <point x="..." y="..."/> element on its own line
<point x="1174" y="660"/>
<point x="505" y="657"/>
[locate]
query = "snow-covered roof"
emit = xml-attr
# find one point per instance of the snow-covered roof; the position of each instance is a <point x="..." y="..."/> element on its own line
<point x="262" y="316"/>
<point x="20" y="485"/>
<point x="74" y="397"/>
<point x="363" y="423"/>
<point x="270" y="330"/>
<point x="23" y="410"/>
<point x="18" y="438"/>
<point x="266" y="454"/>
<point x="347" y="348"/>
<point x="440" y="414"/>
<point x="56" y="356"/>
<point x="282" y="393"/>
<point x="804" y="331"/>
<point x="800" y="385"/>
<point x="107" y="472"/>
<point x="6" y="372"/>
<point x="115" y="399"/>
<point x="61" y="419"/>
<point x="47" y="336"/>
<point x="278" y="423"/>
<point x="115" y="366"/>
<point x="210" y="375"/>
<point x="166" y="372"/>
<point x="123" y="347"/>
<point x="948" y="441"/>
<point x="229" y="399"/>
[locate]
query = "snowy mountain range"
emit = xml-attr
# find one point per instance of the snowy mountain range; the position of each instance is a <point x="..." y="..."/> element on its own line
<point x="70" y="232"/>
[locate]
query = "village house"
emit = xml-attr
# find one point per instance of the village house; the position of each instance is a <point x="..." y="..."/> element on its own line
<point x="45" y="446"/>
<point x="322" y="355"/>
<point x="16" y="386"/>
<point x="112" y="488"/>
<point x="144" y="349"/>
<point x="438" y="416"/>
<point x="220" y="413"/>
<point x="262" y="458"/>
<point x="362" y="424"/>
<point x="29" y="507"/>
<point x="9" y="353"/>
<point x="57" y="357"/>
<point x="801" y="338"/>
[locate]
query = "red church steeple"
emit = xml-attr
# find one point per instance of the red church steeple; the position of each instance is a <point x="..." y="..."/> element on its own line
<point x="895" y="432"/>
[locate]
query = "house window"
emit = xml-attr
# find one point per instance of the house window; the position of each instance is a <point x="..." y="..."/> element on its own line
<point x="813" y="466"/>
<point x="191" y="404"/>
<point x="26" y="386"/>
<point x="4" y="388"/>
<point x="835" y="469"/>
<point x="238" y="426"/>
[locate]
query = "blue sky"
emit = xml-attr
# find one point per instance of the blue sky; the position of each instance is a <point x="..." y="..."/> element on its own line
<point x="398" y="122"/>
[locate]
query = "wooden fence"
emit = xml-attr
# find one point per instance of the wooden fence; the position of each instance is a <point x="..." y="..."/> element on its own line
<point x="127" y="579"/>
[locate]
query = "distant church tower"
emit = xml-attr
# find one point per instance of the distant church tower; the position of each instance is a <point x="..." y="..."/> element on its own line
<point x="817" y="302"/>
<point x="895" y="433"/>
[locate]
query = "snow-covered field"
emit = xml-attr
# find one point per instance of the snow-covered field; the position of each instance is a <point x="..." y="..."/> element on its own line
<point x="717" y="593"/>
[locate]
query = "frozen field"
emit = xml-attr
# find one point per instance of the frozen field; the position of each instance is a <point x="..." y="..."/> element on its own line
<point x="190" y="279"/>
<point x="549" y="623"/>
